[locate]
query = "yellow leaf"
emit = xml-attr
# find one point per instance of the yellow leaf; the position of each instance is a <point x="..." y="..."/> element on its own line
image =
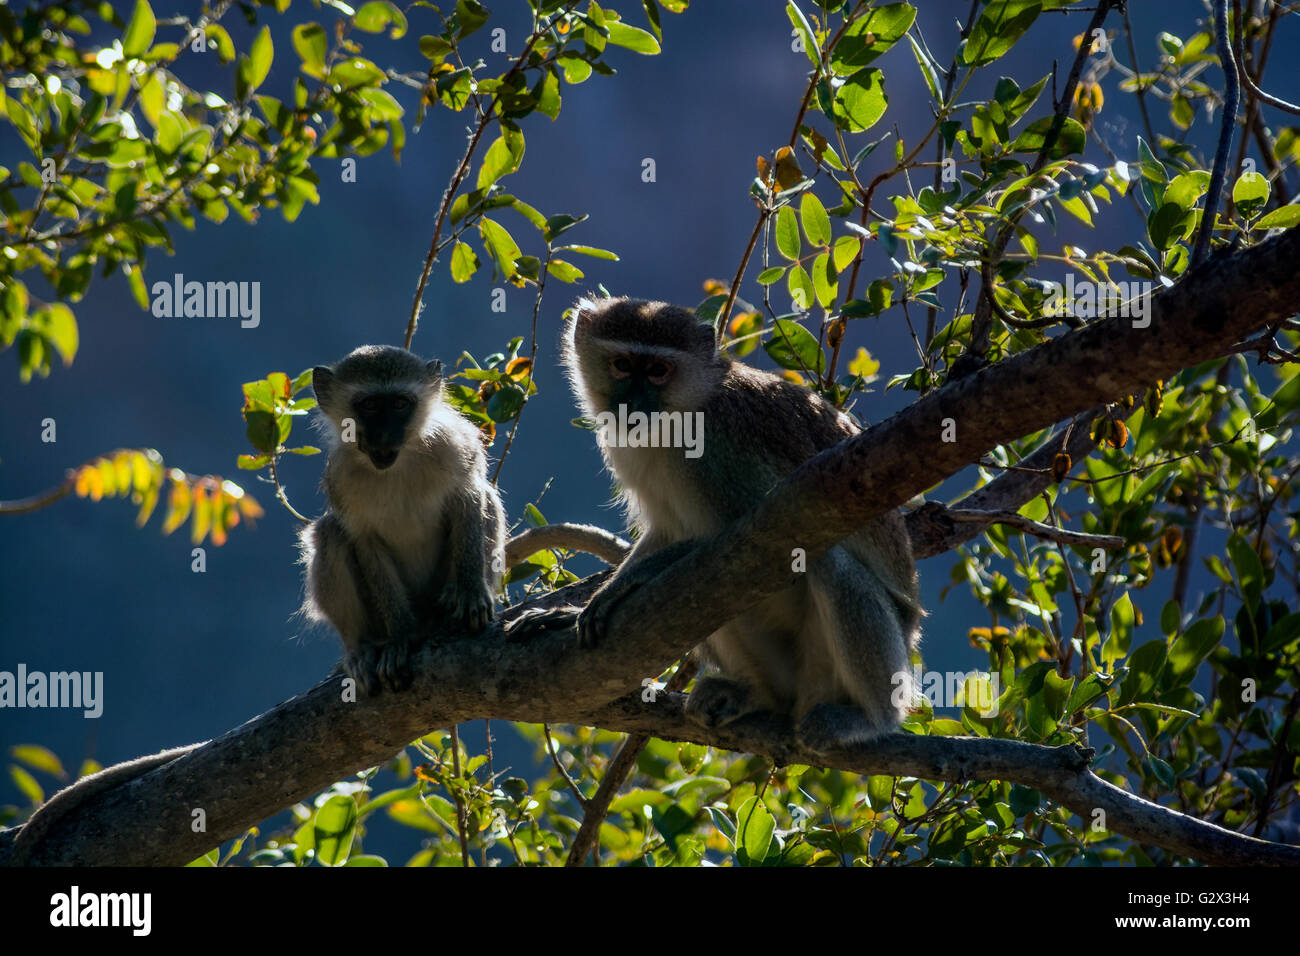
<point x="863" y="364"/>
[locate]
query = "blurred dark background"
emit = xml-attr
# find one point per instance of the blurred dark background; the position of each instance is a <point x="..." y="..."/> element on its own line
<point x="187" y="656"/>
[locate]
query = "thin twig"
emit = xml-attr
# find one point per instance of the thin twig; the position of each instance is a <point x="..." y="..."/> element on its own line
<point x="597" y="808"/>
<point x="573" y="784"/>
<point x="479" y="128"/>
<point x="1227" y="126"/>
<point x="462" y="824"/>
<point x="1036" y="528"/>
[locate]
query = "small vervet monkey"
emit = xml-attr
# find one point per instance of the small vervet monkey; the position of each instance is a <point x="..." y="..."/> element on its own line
<point x="834" y="650"/>
<point x="413" y="542"/>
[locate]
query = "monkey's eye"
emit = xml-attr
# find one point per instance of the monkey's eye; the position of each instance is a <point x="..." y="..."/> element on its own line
<point x="620" y="367"/>
<point x="370" y="404"/>
<point x="659" y="371"/>
<point x="401" y="403"/>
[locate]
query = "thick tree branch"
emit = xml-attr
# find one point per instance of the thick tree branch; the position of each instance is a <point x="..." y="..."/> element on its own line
<point x="296" y="749"/>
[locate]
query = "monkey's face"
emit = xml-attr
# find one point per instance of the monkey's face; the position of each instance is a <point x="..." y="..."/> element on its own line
<point x="383" y="422"/>
<point x="639" y="380"/>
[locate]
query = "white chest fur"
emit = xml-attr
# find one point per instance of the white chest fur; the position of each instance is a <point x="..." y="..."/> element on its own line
<point x="402" y="506"/>
<point x="657" y="484"/>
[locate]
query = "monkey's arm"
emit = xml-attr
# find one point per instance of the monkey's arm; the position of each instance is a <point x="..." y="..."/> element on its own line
<point x="70" y="798"/>
<point x="474" y="528"/>
<point x="647" y="561"/>
<point x="644" y="563"/>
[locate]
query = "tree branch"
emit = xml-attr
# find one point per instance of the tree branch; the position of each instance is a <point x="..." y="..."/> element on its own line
<point x="302" y="746"/>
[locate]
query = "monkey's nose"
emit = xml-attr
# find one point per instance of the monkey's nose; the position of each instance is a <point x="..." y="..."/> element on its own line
<point x="383" y="457"/>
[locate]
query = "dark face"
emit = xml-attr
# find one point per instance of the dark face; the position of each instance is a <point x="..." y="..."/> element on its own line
<point x="383" y="420"/>
<point x="638" y="381"/>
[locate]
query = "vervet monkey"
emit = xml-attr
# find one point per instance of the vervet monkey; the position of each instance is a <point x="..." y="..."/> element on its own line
<point x="412" y="543"/>
<point x="832" y="651"/>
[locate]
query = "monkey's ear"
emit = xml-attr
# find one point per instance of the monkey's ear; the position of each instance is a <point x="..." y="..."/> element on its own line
<point x="322" y="381"/>
<point x="433" y="371"/>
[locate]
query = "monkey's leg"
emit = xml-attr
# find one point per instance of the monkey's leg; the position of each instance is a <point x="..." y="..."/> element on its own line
<point x="392" y="630"/>
<point x="335" y="594"/>
<point x="467" y="595"/>
<point x="854" y="627"/>
<point x="635" y="572"/>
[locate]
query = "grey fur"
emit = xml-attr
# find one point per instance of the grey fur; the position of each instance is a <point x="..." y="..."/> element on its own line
<point x="409" y="551"/>
<point x="834" y="650"/>
<point x="48" y="815"/>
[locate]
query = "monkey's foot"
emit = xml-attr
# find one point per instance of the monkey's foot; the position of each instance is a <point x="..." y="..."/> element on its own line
<point x="716" y="702"/>
<point x="378" y="666"/>
<point x="466" y="610"/>
<point x="828" y="727"/>
<point x="532" y="622"/>
<point x="593" y="622"/>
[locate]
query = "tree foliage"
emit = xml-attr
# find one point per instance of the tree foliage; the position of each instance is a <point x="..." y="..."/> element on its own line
<point x="955" y="231"/>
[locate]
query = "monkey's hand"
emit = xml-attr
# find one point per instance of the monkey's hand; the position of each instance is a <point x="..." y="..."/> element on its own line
<point x="466" y="607"/>
<point x="593" y="624"/>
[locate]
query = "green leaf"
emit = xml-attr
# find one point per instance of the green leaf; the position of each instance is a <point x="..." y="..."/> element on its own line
<point x="870" y="36"/>
<point x="171" y="131"/>
<point x="1088" y="690"/>
<point x="500" y="245"/>
<point x="559" y="224"/>
<point x="772" y="275"/>
<point x="861" y="101"/>
<point x="503" y="157"/>
<point x="1250" y="193"/>
<point x="794" y="347"/>
<point x="334" y="827"/>
<point x="589" y="251"/>
<point x="632" y="38"/>
<point x="59" y="327"/>
<point x="1032" y="138"/>
<point x="375" y="15"/>
<point x="310" y="42"/>
<point x="804" y="29"/>
<point x="1284" y="217"/>
<point x="801" y="288"/>
<point x="28" y="784"/>
<point x="787" y="233"/>
<point x="1001" y="24"/>
<point x="1193" y="646"/>
<point x="548" y="94"/>
<point x="845" y="250"/>
<point x="471" y="16"/>
<point x="505" y="402"/>
<point x="754" y="829"/>
<point x="40" y="758"/>
<point x="564" y="271"/>
<point x="260" y="55"/>
<point x="816" y="224"/>
<point x="464" y="263"/>
<point x="1250" y="571"/>
<point x="929" y="69"/>
<point x="575" y="68"/>
<point x="140" y="31"/>
<point x="825" y="281"/>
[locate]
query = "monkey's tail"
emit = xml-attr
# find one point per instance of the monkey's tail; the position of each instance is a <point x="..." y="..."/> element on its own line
<point x="609" y="547"/>
<point x="67" y="800"/>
